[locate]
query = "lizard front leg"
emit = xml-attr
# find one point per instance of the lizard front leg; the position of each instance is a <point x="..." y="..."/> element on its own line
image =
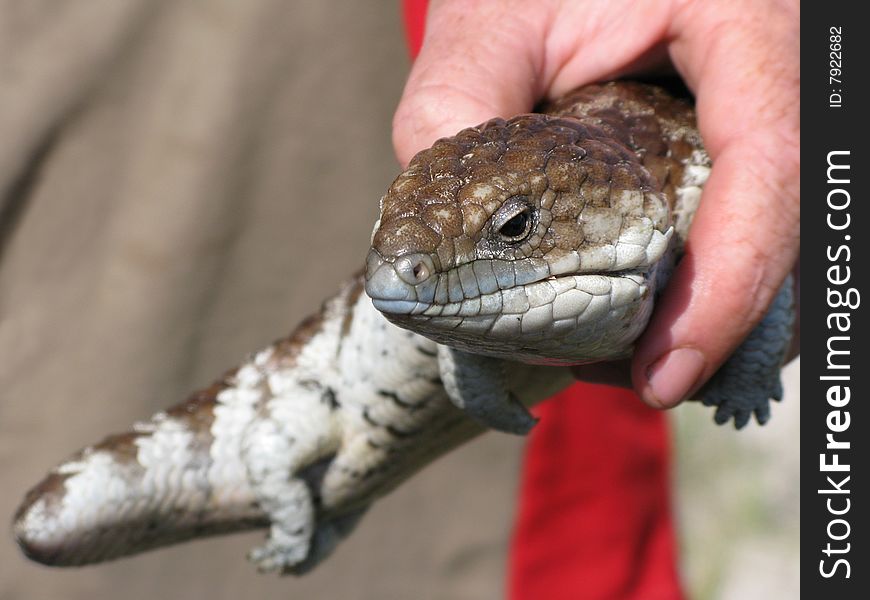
<point x="478" y="385"/>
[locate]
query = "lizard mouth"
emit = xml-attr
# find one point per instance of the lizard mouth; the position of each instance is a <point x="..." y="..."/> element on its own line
<point x="498" y="297"/>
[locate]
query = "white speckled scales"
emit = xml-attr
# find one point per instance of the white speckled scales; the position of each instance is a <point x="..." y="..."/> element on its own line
<point x="301" y="439"/>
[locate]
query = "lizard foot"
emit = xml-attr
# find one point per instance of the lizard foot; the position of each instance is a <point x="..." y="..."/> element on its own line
<point x="289" y="541"/>
<point x="749" y="379"/>
<point x="741" y="408"/>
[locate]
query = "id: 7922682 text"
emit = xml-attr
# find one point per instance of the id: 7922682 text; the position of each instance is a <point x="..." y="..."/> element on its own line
<point x="835" y="64"/>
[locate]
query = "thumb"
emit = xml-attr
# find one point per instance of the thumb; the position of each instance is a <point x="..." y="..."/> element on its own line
<point x="478" y="61"/>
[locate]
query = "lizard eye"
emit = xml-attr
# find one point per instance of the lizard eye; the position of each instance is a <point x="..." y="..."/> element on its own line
<point x="517" y="227"/>
<point x="513" y="222"/>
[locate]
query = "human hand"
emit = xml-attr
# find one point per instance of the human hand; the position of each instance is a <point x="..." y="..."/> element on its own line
<point x="740" y="59"/>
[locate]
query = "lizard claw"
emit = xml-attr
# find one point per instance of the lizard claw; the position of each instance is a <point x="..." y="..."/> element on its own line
<point x="275" y="557"/>
<point x="506" y="414"/>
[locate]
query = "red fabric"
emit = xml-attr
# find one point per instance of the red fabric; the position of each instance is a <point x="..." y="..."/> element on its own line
<point x="594" y="518"/>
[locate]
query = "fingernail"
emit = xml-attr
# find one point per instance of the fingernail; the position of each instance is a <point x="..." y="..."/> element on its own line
<point x="673" y="377"/>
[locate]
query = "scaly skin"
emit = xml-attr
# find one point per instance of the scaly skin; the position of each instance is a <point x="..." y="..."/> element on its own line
<point x="600" y="192"/>
<point x="307" y="433"/>
<point x="301" y="438"/>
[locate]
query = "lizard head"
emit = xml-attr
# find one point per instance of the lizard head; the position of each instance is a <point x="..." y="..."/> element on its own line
<point x="533" y="238"/>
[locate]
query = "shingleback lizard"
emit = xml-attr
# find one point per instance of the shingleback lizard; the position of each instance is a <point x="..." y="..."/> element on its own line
<point x="502" y="255"/>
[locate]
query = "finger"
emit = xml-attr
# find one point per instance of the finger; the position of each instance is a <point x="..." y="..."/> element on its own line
<point x="740" y="250"/>
<point x="745" y="235"/>
<point x="477" y="62"/>
<point x="485" y="59"/>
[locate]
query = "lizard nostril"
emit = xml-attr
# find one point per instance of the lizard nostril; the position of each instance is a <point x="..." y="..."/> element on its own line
<point x="414" y="269"/>
<point x="420" y="272"/>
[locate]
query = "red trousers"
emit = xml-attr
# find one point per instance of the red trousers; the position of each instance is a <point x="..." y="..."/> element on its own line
<point x="594" y="518"/>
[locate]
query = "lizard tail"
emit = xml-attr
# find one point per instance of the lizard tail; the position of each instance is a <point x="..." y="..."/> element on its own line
<point x="175" y="477"/>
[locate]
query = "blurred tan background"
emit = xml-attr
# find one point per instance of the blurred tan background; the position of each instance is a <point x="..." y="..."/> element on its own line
<point x="180" y="183"/>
